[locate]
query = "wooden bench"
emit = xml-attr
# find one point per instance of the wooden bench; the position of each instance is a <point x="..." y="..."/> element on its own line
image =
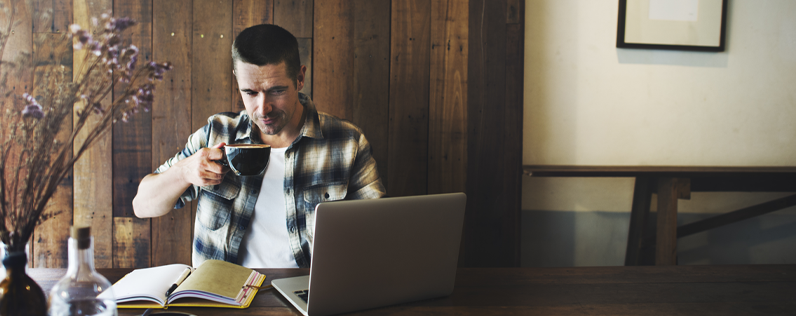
<point x="653" y="239"/>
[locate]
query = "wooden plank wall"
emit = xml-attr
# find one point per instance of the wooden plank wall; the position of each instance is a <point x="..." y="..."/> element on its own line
<point x="435" y="84"/>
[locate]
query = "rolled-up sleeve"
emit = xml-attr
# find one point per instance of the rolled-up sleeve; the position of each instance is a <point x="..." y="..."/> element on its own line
<point x="196" y="141"/>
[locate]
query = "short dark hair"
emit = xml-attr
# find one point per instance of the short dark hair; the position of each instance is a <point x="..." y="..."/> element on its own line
<point x="267" y="44"/>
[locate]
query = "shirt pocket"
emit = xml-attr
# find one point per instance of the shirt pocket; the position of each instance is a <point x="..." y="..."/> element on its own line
<point x="324" y="193"/>
<point x="316" y="194"/>
<point x="216" y="204"/>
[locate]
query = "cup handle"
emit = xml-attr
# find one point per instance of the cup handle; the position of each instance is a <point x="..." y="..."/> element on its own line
<point x="223" y="161"/>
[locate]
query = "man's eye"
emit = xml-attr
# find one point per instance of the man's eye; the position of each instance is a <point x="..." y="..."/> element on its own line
<point x="278" y="91"/>
<point x="251" y="93"/>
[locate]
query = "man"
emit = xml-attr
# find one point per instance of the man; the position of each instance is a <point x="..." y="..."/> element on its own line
<point x="266" y="221"/>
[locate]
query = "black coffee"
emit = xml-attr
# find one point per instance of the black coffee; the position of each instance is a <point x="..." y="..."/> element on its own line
<point x="247" y="159"/>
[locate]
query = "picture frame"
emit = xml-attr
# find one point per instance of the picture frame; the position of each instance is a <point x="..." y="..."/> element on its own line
<point x="692" y="25"/>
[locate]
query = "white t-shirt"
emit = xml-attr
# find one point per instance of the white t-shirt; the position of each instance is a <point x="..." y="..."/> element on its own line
<point x="265" y="243"/>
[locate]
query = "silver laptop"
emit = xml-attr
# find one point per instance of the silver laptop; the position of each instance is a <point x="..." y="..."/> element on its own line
<point x="373" y="253"/>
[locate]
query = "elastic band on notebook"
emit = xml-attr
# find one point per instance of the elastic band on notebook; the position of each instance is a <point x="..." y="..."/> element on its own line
<point x="256" y="287"/>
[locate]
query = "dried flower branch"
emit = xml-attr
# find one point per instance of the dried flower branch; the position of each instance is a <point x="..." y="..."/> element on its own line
<point x="36" y="154"/>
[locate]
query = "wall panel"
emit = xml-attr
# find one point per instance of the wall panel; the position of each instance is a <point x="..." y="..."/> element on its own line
<point x="438" y="99"/>
<point x="494" y="137"/>
<point x="132" y="142"/>
<point x="409" y="98"/>
<point x="171" y="124"/>
<point x="49" y="246"/>
<point x="93" y="184"/>
<point x="334" y="57"/>
<point x="447" y="148"/>
<point x="371" y="94"/>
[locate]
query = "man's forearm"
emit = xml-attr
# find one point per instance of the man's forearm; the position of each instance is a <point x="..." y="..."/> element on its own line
<point x="158" y="193"/>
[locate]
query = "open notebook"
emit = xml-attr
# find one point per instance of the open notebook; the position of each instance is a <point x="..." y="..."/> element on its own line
<point x="215" y="283"/>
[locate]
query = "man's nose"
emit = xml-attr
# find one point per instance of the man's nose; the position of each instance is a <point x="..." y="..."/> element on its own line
<point x="265" y="106"/>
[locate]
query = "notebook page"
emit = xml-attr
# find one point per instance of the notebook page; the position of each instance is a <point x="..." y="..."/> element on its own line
<point x="218" y="278"/>
<point x="148" y="282"/>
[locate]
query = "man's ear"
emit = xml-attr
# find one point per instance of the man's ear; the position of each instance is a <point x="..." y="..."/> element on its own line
<point x="300" y="77"/>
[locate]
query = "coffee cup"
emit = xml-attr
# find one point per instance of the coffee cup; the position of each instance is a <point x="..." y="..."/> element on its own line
<point x="246" y="159"/>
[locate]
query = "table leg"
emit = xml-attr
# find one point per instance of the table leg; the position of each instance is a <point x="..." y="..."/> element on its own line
<point x="669" y="191"/>
<point x="642" y="193"/>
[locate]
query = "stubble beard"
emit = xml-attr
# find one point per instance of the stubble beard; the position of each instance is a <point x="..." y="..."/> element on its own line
<point x="272" y="129"/>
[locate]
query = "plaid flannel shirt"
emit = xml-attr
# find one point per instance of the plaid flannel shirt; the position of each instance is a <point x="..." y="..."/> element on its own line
<point x="330" y="160"/>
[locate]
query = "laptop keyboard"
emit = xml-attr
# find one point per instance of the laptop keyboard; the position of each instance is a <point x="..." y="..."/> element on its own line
<point x="303" y="294"/>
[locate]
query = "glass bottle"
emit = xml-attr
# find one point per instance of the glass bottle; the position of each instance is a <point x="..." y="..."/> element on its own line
<point x="19" y="294"/>
<point x="82" y="291"/>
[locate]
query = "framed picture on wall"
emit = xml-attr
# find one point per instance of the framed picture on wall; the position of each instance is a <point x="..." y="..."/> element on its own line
<point x="696" y="25"/>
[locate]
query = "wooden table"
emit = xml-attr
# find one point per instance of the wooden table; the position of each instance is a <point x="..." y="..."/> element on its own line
<point x="653" y="239"/>
<point x="639" y="290"/>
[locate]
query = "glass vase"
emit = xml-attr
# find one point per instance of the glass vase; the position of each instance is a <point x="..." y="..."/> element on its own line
<point x="82" y="291"/>
<point x="19" y="294"/>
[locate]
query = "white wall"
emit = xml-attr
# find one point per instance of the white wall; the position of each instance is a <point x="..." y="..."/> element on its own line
<point x="589" y="103"/>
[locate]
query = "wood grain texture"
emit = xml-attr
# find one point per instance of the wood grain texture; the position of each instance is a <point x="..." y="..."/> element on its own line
<point x="513" y="122"/>
<point x="211" y="64"/>
<point x="93" y="189"/>
<point x="296" y="16"/>
<point x="494" y="134"/>
<point x="333" y="53"/>
<point x="20" y="42"/>
<point x="672" y="290"/>
<point x="17" y="80"/>
<point x="171" y="121"/>
<point x="132" y="141"/>
<point x="409" y="98"/>
<point x="131" y="242"/>
<point x="52" y="16"/>
<point x="371" y="95"/>
<point x="447" y="137"/>
<point x="669" y="191"/>
<point x="50" y="238"/>
<point x="251" y="12"/>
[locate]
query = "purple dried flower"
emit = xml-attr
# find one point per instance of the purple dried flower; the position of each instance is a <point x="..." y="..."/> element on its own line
<point x="145" y="97"/>
<point x="114" y="41"/>
<point x="34" y="111"/>
<point x="97" y="108"/>
<point x="95" y="48"/>
<point x="129" y="56"/>
<point x="121" y="24"/>
<point x="111" y="56"/>
<point x="83" y="38"/>
<point x="158" y="70"/>
<point x="32" y="108"/>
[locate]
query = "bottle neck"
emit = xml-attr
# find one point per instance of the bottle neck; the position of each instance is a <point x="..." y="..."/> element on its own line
<point x="15" y="262"/>
<point x="81" y="260"/>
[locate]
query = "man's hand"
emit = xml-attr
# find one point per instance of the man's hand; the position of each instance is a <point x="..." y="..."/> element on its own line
<point x="158" y="193"/>
<point x="202" y="168"/>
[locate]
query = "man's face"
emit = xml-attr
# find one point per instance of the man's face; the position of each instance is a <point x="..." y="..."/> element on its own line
<point x="269" y="95"/>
